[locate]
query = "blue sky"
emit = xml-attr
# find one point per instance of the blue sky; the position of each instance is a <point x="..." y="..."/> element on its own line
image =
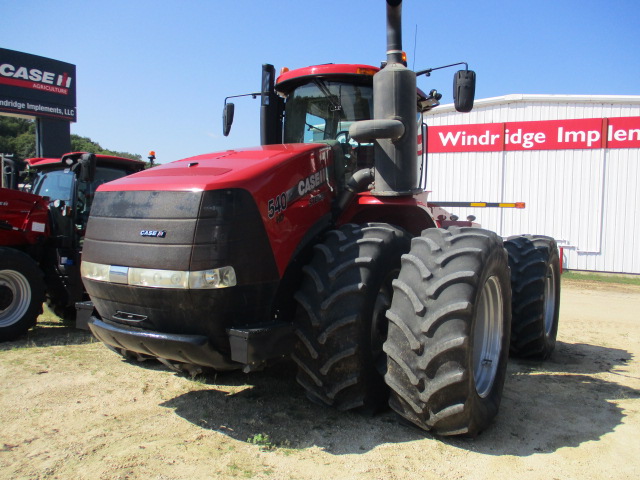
<point x="154" y="74"/>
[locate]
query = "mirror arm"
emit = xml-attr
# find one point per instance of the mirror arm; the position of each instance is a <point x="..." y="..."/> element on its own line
<point x="252" y="95"/>
<point x="228" y="109"/>
<point x="428" y="71"/>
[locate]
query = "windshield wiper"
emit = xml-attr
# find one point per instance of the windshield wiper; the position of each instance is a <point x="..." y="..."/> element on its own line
<point x="333" y="99"/>
<point x="313" y="127"/>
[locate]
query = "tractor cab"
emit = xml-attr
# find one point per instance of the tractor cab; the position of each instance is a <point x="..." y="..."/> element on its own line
<point x="69" y="183"/>
<point x="321" y="103"/>
<point x="316" y="104"/>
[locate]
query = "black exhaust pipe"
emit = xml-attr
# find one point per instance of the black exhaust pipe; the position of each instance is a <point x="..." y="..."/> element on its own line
<point x="394" y="127"/>
<point x="394" y="31"/>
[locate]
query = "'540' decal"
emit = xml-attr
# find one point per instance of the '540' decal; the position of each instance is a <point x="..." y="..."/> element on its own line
<point x="277" y="205"/>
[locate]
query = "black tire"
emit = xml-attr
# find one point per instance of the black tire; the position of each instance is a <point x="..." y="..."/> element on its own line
<point x="448" y="341"/>
<point x="341" y="323"/>
<point x="21" y="293"/>
<point x="535" y="283"/>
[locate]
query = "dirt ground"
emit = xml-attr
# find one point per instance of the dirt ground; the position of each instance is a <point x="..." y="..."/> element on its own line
<point x="70" y="408"/>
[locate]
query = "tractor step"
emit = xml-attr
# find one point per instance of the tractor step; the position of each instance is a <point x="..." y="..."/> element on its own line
<point x="255" y="345"/>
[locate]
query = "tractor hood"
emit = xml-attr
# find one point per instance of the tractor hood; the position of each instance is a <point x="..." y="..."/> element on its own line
<point x="23" y="217"/>
<point x="249" y="168"/>
<point x="280" y="191"/>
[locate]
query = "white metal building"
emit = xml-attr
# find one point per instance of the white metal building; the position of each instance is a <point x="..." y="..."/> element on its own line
<point x="573" y="159"/>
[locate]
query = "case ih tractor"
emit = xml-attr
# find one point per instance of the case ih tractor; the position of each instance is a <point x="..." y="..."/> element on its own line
<point x="320" y="246"/>
<point x="41" y="235"/>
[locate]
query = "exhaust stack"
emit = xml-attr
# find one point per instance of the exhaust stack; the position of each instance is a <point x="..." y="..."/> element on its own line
<point x="394" y="127"/>
<point x="394" y="31"/>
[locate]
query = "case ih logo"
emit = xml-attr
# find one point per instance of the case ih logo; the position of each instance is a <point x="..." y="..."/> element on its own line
<point x="153" y="233"/>
<point x="34" y="78"/>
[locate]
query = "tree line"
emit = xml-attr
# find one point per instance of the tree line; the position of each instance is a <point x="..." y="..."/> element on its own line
<point x="18" y="138"/>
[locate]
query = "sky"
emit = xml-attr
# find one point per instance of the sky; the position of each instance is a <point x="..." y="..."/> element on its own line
<point x="153" y="75"/>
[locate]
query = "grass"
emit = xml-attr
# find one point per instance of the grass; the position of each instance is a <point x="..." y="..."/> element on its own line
<point x="239" y="471"/>
<point x="601" y="277"/>
<point x="263" y="440"/>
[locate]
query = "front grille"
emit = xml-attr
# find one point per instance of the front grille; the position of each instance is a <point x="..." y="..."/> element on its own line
<point x="198" y="231"/>
<point x="202" y="230"/>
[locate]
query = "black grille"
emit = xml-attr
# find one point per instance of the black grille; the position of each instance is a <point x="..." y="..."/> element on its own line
<point x="200" y="230"/>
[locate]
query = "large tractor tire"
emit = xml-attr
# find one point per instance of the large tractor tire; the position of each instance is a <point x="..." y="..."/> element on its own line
<point x="535" y="283"/>
<point x="449" y="330"/>
<point x="21" y="293"/>
<point x="341" y="322"/>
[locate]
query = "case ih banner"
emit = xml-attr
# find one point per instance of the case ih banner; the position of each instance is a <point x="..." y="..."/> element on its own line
<point x="37" y="86"/>
<point x="619" y="132"/>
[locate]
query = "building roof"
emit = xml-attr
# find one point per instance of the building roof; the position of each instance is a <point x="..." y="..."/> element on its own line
<point x="543" y="98"/>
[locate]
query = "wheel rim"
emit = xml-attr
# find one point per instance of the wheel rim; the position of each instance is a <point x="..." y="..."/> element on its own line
<point x="549" y="300"/>
<point x="15" y="297"/>
<point x="487" y="336"/>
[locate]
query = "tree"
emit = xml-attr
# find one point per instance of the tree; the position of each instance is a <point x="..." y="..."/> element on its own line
<point x="18" y="137"/>
<point x="85" y="144"/>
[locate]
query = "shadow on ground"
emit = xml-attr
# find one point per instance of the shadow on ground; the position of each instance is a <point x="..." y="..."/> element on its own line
<point x="544" y="408"/>
<point x="271" y="403"/>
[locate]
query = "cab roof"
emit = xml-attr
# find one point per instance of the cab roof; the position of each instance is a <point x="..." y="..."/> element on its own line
<point x="289" y="79"/>
<point x="69" y="159"/>
<point x="354" y="73"/>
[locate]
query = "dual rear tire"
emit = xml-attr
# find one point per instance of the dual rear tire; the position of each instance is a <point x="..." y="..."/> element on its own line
<point x="428" y="317"/>
<point x="423" y="324"/>
<point x="535" y="282"/>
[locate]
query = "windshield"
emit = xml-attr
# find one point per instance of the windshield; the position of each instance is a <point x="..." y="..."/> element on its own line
<point x="103" y="175"/>
<point x="57" y="185"/>
<point x="323" y="110"/>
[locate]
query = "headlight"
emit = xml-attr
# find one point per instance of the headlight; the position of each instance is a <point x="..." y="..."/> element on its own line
<point x="94" y="271"/>
<point x="214" y="278"/>
<point x="149" y="277"/>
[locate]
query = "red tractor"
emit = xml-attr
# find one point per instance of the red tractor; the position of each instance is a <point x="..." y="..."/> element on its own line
<point x="41" y="235"/>
<point x="320" y="246"/>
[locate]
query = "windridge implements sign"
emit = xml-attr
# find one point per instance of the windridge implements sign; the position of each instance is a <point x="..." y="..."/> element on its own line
<point x="588" y="133"/>
<point x="37" y="86"/>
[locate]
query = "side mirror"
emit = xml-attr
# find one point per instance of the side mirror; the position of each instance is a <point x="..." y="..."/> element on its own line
<point x="227" y="118"/>
<point x="9" y="174"/>
<point x="87" y="167"/>
<point x="464" y="90"/>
